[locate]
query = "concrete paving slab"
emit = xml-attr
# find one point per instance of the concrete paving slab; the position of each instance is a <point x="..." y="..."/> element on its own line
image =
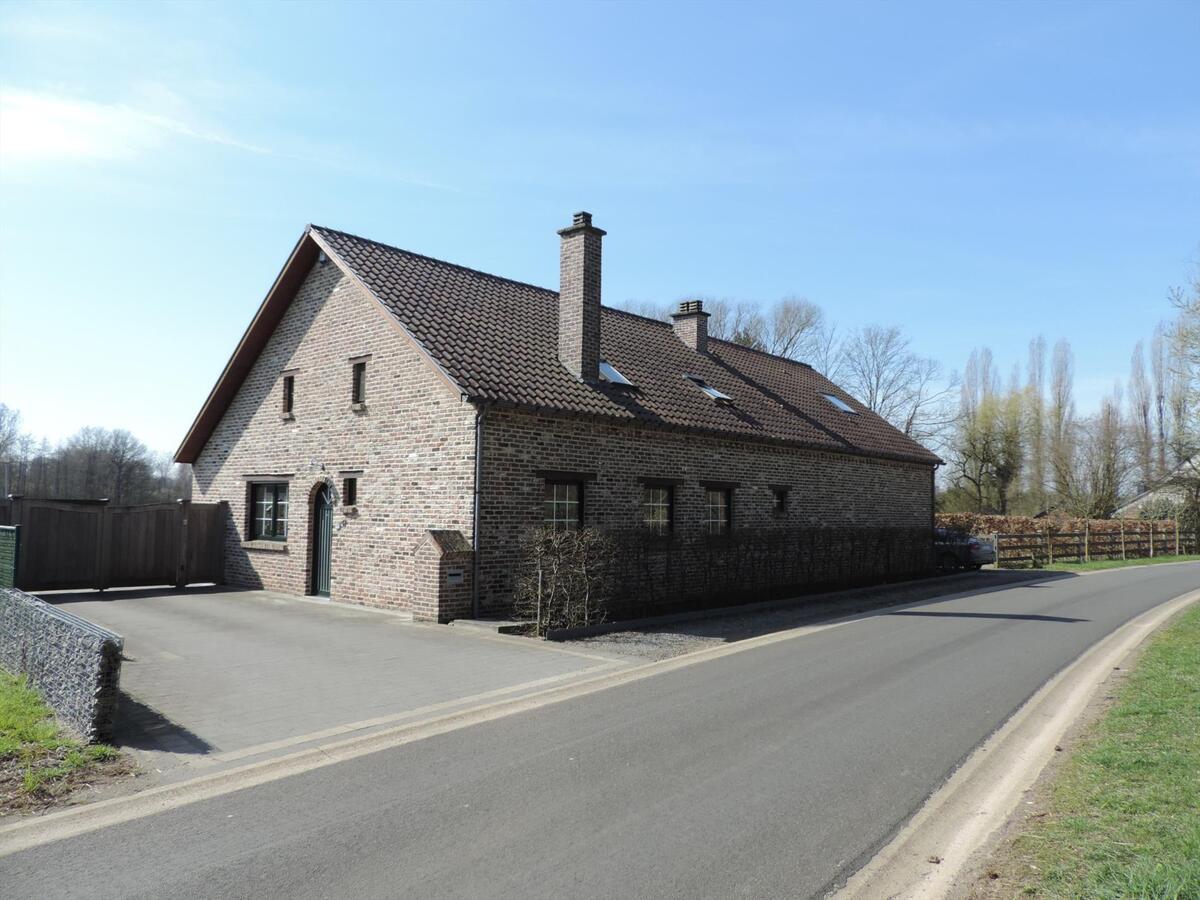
<point x="214" y="676"/>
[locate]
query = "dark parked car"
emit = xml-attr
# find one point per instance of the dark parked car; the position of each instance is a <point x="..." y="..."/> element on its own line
<point x="955" y="549"/>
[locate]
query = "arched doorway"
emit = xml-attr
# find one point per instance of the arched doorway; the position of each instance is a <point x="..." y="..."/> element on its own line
<point x="322" y="539"/>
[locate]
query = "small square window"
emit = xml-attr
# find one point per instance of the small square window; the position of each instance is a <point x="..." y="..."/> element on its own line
<point x="358" y="390"/>
<point x="564" y="505"/>
<point x="718" y="509"/>
<point x="658" y="513"/>
<point x="349" y="491"/>
<point x="289" y="393"/>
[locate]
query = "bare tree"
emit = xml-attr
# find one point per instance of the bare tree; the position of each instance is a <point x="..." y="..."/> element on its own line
<point x="1061" y="415"/>
<point x="1159" y="372"/>
<point x="94" y="463"/>
<point x="826" y="353"/>
<point x="907" y="390"/>
<point x="1035" y="400"/>
<point x="10" y="432"/>
<point x="127" y="455"/>
<point x="792" y="323"/>
<point x="738" y="321"/>
<point x="1102" y="463"/>
<point x="1141" y="415"/>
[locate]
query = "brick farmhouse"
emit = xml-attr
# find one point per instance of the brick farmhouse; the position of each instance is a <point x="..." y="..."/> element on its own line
<point x="391" y="425"/>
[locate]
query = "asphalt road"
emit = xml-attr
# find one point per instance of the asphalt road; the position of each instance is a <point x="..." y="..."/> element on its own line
<point x="775" y="772"/>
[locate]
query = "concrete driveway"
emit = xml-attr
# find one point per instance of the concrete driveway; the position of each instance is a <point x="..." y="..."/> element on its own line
<point x="216" y="677"/>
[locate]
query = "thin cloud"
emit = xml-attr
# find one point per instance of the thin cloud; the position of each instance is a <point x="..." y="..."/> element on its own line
<point x="39" y="129"/>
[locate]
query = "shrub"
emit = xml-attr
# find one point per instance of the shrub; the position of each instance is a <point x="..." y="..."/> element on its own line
<point x="565" y="578"/>
<point x="1160" y="508"/>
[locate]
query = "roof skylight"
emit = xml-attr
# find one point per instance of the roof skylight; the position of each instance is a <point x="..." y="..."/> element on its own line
<point x="709" y="389"/>
<point x="840" y="403"/>
<point x="609" y="373"/>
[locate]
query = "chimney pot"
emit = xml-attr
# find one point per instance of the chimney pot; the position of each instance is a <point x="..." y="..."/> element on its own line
<point x="690" y="322"/>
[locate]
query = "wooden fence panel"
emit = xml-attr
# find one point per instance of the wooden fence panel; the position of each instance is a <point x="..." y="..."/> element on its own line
<point x="1034" y="549"/>
<point x="60" y="545"/>
<point x="142" y="545"/>
<point x="69" y="545"/>
<point x="204" y="543"/>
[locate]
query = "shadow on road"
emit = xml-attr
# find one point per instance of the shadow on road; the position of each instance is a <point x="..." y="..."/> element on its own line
<point x="90" y="596"/>
<point x="978" y="615"/>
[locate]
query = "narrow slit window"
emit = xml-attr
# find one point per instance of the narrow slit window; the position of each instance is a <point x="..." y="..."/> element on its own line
<point x="780" y="505"/>
<point x="289" y="393"/>
<point x="349" y="492"/>
<point x="358" y="389"/>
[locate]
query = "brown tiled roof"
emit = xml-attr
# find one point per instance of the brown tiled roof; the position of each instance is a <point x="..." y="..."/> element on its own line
<point x="497" y="340"/>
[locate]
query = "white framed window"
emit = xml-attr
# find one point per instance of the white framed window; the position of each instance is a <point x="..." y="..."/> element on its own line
<point x="563" y="505"/>
<point x="718" y="510"/>
<point x="658" y="508"/>
<point x="268" y="511"/>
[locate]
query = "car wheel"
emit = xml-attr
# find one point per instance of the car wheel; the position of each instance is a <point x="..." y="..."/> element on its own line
<point x="948" y="562"/>
<point x="977" y="566"/>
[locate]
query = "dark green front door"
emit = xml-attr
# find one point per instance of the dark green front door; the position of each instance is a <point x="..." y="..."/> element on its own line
<point x="322" y="540"/>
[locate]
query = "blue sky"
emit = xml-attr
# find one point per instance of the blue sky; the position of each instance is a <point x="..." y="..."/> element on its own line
<point x="978" y="173"/>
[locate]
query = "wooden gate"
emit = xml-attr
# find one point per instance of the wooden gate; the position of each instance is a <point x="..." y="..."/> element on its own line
<point x="68" y="544"/>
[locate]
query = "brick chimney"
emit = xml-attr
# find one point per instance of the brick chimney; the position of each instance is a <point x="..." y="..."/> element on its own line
<point x="690" y="322"/>
<point x="579" y="298"/>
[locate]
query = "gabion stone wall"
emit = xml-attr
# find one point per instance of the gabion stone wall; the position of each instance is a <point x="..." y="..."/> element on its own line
<point x="75" y="664"/>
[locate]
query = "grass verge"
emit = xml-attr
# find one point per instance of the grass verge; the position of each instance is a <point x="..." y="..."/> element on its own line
<point x="1119" y="563"/>
<point x="1122" y="815"/>
<point x="39" y="763"/>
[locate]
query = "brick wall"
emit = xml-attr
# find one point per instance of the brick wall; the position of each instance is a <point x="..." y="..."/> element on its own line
<point x="825" y="489"/>
<point x="412" y="449"/>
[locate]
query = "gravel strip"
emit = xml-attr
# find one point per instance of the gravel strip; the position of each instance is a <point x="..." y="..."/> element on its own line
<point x="707" y="630"/>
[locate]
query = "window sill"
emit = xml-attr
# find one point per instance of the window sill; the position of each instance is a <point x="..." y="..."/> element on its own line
<point x="272" y="546"/>
<point x="288" y="417"/>
<point x="358" y="407"/>
<point x="350" y="510"/>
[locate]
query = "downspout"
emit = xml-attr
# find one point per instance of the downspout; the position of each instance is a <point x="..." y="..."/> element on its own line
<point x="475" y="515"/>
<point x="933" y="495"/>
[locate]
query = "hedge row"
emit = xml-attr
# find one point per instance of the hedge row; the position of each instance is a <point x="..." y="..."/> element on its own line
<point x="978" y="523"/>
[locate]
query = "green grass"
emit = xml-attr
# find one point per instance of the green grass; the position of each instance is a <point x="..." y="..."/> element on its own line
<point x="1118" y="563"/>
<point x="29" y="735"/>
<point x="1124" y="813"/>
